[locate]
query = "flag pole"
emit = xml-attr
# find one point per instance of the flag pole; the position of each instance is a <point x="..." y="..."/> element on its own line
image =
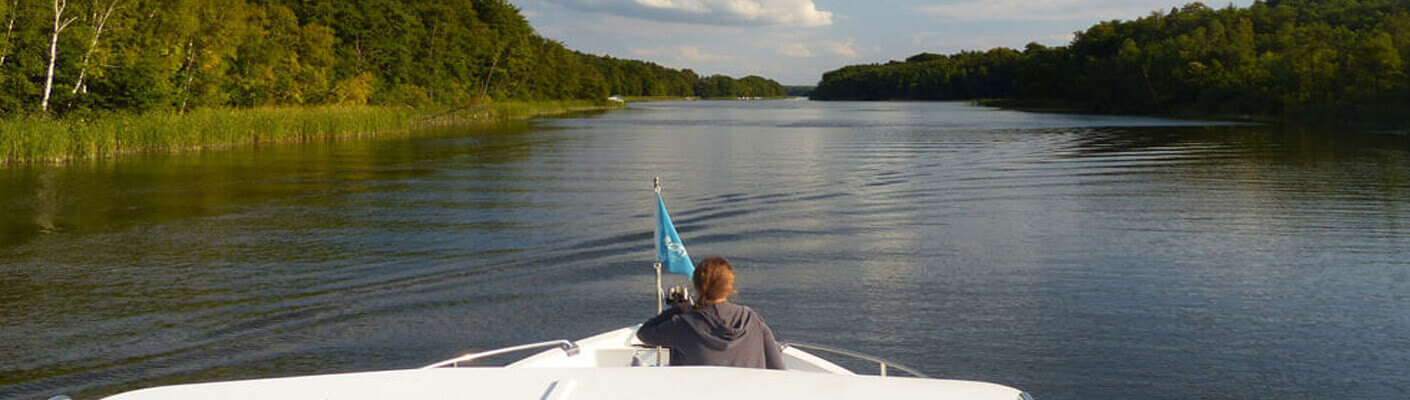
<point x="660" y="293"/>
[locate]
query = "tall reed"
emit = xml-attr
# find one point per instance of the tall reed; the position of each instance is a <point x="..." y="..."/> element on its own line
<point x="57" y="140"/>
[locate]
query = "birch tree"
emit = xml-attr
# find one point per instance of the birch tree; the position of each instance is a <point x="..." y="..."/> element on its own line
<point x="59" y="25"/>
<point x="98" y="20"/>
<point x="12" y="11"/>
<point x="211" y="30"/>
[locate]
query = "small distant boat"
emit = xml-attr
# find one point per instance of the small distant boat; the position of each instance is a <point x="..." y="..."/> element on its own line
<point x="611" y="365"/>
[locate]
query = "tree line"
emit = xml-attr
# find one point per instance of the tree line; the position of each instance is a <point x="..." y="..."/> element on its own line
<point x="60" y="57"/>
<point x="641" y="78"/>
<point x="1344" y="60"/>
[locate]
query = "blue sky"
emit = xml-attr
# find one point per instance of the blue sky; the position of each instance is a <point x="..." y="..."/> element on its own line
<point x="795" y="41"/>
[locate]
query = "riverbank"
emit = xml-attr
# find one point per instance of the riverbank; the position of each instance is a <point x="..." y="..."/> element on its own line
<point x="652" y="99"/>
<point x="1377" y="116"/>
<point x="1067" y="107"/>
<point x="63" y="140"/>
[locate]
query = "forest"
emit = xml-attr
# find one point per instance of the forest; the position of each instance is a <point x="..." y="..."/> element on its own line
<point x="1341" y="61"/>
<point x="86" y="57"/>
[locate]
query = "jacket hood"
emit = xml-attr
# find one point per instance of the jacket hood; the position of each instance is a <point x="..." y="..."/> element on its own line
<point x="720" y="326"/>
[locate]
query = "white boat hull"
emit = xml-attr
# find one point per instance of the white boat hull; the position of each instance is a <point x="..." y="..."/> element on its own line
<point x="612" y="365"/>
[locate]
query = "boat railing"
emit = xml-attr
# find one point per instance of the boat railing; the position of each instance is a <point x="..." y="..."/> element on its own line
<point x="883" y="366"/>
<point x="566" y="345"/>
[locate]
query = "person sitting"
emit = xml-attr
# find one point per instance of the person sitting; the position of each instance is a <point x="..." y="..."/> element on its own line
<point x="713" y="331"/>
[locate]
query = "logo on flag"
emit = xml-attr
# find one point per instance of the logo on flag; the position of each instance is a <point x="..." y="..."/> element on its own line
<point x="670" y="252"/>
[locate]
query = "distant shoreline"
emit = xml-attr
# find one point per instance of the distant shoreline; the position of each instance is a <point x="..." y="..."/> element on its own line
<point x="651" y="99"/>
<point x="1305" y="62"/>
<point x="1066" y="107"/>
<point x="58" y="141"/>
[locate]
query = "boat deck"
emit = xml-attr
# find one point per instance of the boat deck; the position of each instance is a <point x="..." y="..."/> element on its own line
<point x="611" y="365"/>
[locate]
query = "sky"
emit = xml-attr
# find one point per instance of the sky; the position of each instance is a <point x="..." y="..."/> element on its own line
<point x="796" y="41"/>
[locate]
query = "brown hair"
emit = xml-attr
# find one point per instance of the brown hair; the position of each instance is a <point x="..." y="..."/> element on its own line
<point x="714" y="280"/>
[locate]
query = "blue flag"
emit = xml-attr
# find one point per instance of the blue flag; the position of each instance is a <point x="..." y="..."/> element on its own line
<point x="670" y="252"/>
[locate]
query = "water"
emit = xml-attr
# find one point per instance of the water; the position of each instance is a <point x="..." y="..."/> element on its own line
<point x="1075" y="257"/>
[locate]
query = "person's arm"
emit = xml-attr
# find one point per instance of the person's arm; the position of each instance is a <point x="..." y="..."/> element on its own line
<point x="773" y="355"/>
<point x="662" y="329"/>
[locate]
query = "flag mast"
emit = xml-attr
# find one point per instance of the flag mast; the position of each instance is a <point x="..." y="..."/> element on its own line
<point x="660" y="294"/>
<point x="670" y="252"/>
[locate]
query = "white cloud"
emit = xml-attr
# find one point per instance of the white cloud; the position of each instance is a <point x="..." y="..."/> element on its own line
<point x="796" y="50"/>
<point x="681" y="53"/>
<point x="1050" y="10"/>
<point x="1058" y="39"/>
<point x="688" y="6"/>
<point x="693" y="53"/>
<point x="937" y="42"/>
<point x="711" y="12"/>
<point x="846" y="48"/>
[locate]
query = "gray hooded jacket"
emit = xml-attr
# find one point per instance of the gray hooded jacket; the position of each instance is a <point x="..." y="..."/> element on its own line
<point x="723" y="334"/>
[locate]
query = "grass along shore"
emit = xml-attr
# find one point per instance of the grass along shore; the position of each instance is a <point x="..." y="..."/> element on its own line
<point x="30" y="140"/>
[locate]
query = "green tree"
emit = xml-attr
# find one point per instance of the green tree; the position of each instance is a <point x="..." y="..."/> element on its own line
<point x="95" y="56"/>
<point x="1292" y="58"/>
<point x="10" y="10"/>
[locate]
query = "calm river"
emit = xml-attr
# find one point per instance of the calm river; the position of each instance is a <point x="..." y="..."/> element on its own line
<point x="1075" y="257"/>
